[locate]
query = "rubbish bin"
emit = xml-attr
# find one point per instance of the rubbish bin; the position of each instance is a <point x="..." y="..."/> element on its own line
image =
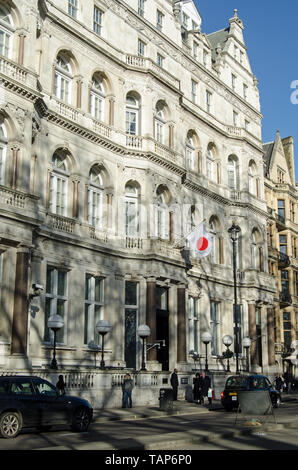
<point x="166" y="399"/>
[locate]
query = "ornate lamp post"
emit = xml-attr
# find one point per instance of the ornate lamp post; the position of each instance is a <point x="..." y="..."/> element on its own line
<point x="143" y="331"/>
<point x="102" y="327"/>
<point x="234" y="232"/>
<point x="206" y="338"/>
<point x="227" y="341"/>
<point x="55" y="323"/>
<point x="246" y="344"/>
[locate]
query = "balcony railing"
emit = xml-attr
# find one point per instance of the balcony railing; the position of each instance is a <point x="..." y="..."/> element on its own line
<point x="58" y="222"/>
<point x="285" y="298"/>
<point x="12" y="70"/>
<point x="12" y="198"/>
<point x="283" y="260"/>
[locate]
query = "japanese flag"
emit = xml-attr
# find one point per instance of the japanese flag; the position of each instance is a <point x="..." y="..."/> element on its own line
<point x="200" y="241"/>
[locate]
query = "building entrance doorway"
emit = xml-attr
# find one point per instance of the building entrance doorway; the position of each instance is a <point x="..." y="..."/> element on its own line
<point x="162" y="333"/>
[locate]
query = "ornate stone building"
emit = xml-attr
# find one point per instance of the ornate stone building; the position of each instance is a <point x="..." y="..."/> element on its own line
<point x="123" y="126"/>
<point x="281" y="195"/>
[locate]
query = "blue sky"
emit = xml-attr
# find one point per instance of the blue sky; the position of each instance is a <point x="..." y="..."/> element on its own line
<point x="272" y="40"/>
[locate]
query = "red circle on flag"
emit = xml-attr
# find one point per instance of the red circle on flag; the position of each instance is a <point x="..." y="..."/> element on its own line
<point x="202" y="244"/>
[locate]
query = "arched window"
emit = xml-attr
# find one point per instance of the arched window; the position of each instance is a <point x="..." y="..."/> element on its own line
<point x="252" y="169"/>
<point x="131" y="210"/>
<point x="132" y="114"/>
<point x="95" y="197"/>
<point x="210" y="164"/>
<point x="190" y="152"/>
<point x="193" y="219"/>
<point x="217" y="253"/>
<point x="6" y="33"/>
<point x="159" y="123"/>
<point x="233" y="182"/>
<point x="162" y="220"/>
<point x="257" y="257"/>
<point x="63" y="79"/>
<point x="3" y="146"/>
<point x="58" y="184"/>
<point x="97" y="95"/>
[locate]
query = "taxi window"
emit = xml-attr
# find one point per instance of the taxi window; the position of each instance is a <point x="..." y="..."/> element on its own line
<point x="22" y="387"/>
<point x="236" y="382"/>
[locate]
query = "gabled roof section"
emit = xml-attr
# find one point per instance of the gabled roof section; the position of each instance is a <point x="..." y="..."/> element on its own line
<point x="218" y="38"/>
<point x="268" y="150"/>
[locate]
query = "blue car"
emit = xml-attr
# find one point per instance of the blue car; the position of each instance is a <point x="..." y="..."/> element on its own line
<point x="28" y="401"/>
<point x="237" y="383"/>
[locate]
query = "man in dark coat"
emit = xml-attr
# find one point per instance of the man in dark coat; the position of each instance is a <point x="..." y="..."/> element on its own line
<point x="206" y="384"/>
<point x="174" y="383"/>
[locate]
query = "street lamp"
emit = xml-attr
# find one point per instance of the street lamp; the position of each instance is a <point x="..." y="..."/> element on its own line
<point x="234" y="232"/>
<point x="55" y="323"/>
<point x="206" y="338"/>
<point x="227" y="341"/>
<point x="143" y="331"/>
<point x="102" y="327"/>
<point x="246" y="344"/>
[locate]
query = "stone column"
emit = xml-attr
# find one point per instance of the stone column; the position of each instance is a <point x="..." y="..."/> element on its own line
<point x="252" y="333"/>
<point x="151" y="316"/>
<point x="181" y="324"/>
<point x="20" y="309"/>
<point x="111" y="111"/>
<point x="75" y="207"/>
<point x="21" y="49"/>
<point x="270" y="334"/>
<point x="109" y="210"/>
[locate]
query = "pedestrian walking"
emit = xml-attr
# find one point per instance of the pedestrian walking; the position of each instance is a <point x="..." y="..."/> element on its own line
<point x="279" y="383"/>
<point x="60" y="385"/>
<point x="197" y="387"/>
<point x="206" y="384"/>
<point x="175" y="383"/>
<point x="210" y="395"/>
<point x="127" y="388"/>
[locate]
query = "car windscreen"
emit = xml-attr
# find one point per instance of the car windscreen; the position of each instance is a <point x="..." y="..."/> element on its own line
<point x="236" y="383"/>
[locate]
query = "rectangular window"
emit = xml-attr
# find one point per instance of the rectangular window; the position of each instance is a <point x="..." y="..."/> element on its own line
<point x="292" y="211"/>
<point x="56" y="301"/>
<point x="159" y="60"/>
<point x="185" y="20"/>
<point x="131" y="122"/>
<point x="281" y="209"/>
<point x="194" y="91"/>
<point x="195" y="50"/>
<point x="246" y="125"/>
<point x="94" y="207"/>
<point x="131" y="218"/>
<point x="141" y="48"/>
<point x="162" y="298"/>
<point x="194" y="26"/>
<point x="141" y="7"/>
<point x="193" y="325"/>
<point x="159" y="20"/>
<point x="235" y="119"/>
<point x="97" y="21"/>
<point x="94" y="308"/>
<point x="215" y="327"/>
<point x="287" y="328"/>
<point x="58" y="186"/>
<point x="73" y="8"/>
<point x="233" y="81"/>
<point x="208" y="101"/>
<point x="283" y="244"/>
<point x="61" y="88"/>
<point x="96" y="103"/>
<point x="205" y="58"/>
<point x="5" y="42"/>
<point x="241" y="57"/>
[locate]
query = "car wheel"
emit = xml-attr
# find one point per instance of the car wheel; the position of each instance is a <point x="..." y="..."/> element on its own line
<point x="10" y="424"/>
<point x="81" y="420"/>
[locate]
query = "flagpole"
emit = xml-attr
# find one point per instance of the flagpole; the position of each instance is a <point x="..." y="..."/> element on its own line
<point x="183" y="238"/>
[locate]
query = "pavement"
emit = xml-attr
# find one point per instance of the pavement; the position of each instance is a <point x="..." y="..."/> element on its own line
<point x="212" y="426"/>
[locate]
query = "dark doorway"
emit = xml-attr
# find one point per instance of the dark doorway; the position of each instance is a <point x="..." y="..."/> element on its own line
<point x="130" y="338"/>
<point x="162" y="333"/>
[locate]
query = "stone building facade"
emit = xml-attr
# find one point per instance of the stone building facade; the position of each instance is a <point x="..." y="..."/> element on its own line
<point x="123" y="126"/>
<point x="281" y="195"/>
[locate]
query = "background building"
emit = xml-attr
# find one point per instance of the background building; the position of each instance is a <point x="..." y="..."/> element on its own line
<point x="281" y="196"/>
<point x="122" y="127"/>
